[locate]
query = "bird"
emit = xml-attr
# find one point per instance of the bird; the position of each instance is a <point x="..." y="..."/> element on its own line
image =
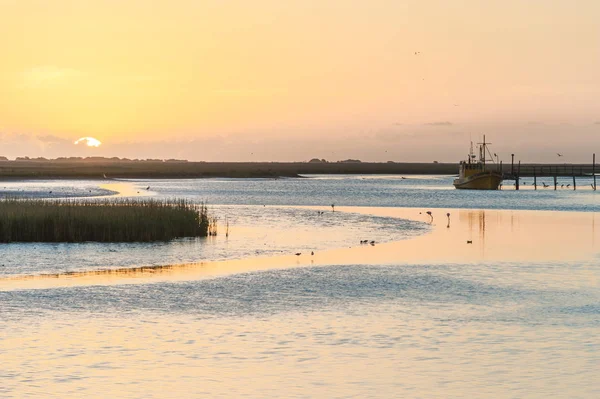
<point x="332" y="207"/>
<point x="448" y="214"/>
<point x="148" y="188"/>
<point x="298" y="253"/>
<point x="312" y="252"/>
<point x="372" y="243"/>
<point x="562" y="185"/>
<point x="430" y="215"/>
<point x="469" y="241"/>
<point x="568" y="185"/>
<point x="559" y="154"/>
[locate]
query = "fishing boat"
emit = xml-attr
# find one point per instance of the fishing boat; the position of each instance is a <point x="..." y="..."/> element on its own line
<point x="473" y="173"/>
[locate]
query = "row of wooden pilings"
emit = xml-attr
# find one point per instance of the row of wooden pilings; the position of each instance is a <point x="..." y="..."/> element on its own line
<point x="517" y="175"/>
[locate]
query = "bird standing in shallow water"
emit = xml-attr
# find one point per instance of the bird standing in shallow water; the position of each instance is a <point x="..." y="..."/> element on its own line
<point x="430" y="215"/>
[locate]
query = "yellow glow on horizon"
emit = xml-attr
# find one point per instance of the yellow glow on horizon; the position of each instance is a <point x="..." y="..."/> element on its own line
<point x="137" y="70"/>
<point x="89" y="141"/>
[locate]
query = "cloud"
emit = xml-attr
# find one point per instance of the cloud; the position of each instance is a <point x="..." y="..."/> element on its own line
<point x="51" y="139"/>
<point x="444" y="123"/>
<point x="47" y="75"/>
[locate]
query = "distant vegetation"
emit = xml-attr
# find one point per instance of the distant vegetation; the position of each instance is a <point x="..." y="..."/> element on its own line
<point x="109" y="168"/>
<point x="102" y="221"/>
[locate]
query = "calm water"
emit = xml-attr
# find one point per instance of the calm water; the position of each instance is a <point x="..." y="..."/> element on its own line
<point x="486" y="323"/>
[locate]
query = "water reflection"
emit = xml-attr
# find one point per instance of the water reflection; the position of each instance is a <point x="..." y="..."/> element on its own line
<point x="494" y="235"/>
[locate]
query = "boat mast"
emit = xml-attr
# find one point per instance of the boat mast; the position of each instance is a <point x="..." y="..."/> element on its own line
<point x="482" y="152"/>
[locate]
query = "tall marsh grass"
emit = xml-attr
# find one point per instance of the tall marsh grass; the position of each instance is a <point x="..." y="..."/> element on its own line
<point x="29" y="220"/>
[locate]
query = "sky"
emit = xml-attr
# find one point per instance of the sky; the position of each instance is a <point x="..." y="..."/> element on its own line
<point x="272" y="80"/>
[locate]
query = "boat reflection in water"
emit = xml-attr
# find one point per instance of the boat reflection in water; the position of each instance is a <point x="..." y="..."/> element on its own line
<point x="473" y="174"/>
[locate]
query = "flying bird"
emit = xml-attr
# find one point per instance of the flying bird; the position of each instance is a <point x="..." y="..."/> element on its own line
<point x="559" y="154"/>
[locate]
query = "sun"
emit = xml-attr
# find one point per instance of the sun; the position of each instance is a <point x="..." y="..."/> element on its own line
<point x="89" y="141"/>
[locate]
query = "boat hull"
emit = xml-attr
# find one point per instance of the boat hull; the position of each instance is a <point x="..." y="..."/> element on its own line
<point x="479" y="181"/>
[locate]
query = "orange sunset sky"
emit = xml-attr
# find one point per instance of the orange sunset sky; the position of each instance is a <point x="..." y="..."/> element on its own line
<point x="272" y="80"/>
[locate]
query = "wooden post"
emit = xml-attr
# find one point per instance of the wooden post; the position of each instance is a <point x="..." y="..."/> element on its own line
<point x="594" y="170"/>
<point x="512" y="164"/>
<point x="574" y="184"/>
<point x="534" y="179"/>
<point x="518" y="175"/>
<point x="555" y="183"/>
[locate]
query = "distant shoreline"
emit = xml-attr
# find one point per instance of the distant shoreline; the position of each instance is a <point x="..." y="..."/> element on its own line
<point x="86" y="169"/>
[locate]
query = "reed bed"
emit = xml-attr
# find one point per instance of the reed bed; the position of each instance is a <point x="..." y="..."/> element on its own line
<point x="125" y="220"/>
